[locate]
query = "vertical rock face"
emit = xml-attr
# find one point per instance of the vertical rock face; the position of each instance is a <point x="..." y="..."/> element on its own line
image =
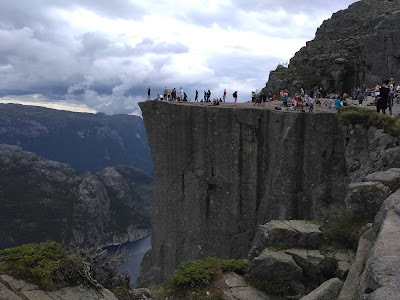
<point x="356" y="46"/>
<point x="221" y="171"/>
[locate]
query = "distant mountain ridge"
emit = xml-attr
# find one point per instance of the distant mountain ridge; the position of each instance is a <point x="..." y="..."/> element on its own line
<point x="87" y="142"/>
<point x="43" y="200"/>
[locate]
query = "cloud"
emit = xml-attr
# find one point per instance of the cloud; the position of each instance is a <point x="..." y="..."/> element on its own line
<point x="104" y="54"/>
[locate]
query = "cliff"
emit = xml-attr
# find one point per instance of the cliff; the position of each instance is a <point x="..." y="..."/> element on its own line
<point x="43" y="200"/>
<point x="220" y="171"/>
<point x="355" y="47"/>
<point x="87" y="142"/>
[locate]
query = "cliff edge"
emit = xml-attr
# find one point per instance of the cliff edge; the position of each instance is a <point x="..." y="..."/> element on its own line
<point x="220" y="171"/>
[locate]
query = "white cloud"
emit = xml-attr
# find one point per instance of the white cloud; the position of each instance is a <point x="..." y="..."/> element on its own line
<point x="105" y="54"/>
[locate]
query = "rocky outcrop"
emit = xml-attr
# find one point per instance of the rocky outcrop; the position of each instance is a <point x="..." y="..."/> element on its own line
<point x="382" y="264"/>
<point x="329" y="290"/>
<point x="355" y="47"/>
<point x="14" y="289"/>
<point x="221" y="171"/>
<point x="365" y="198"/>
<point x="369" y="150"/>
<point x="44" y="200"/>
<point x="87" y="142"/>
<point x="286" y="233"/>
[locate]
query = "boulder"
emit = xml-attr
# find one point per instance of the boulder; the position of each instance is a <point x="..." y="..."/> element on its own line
<point x="365" y="198"/>
<point x="348" y="291"/>
<point x="382" y="264"/>
<point x="275" y="266"/>
<point x="290" y="233"/>
<point x="385" y="293"/>
<point x="329" y="290"/>
<point x="309" y="260"/>
<point x="236" y="288"/>
<point x="15" y="289"/>
<point x="390" y="178"/>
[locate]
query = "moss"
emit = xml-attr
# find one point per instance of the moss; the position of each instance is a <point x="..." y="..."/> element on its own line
<point x="367" y="118"/>
<point x="278" y="247"/>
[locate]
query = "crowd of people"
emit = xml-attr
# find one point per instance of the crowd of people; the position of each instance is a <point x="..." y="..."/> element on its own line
<point x="383" y="97"/>
<point x="172" y="95"/>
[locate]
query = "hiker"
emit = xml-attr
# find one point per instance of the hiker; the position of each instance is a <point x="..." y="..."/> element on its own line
<point x="224" y="96"/>
<point x="382" y="102"/>
<point x="148" y="93"/>
<point x="165" y="93"/>
<point x="208" y="95"/>
<point x="235" y="96"/>
<point x="391" y="94"/>
<point x="197" y="96"/>
<point x="181" y="94"/>
<point x="311" y="105"/>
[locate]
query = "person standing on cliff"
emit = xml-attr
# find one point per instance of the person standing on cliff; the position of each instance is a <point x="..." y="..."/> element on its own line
<point x="208" y="95"/>
<point x="235" y="96"/>
<point x="169" y="94"/>
<point x="181" y="94"/>
<point x="148" y="93"/>
<point x="196" y="99"/>
<point x="224" y="96"/>
<point x="383" y="97"/>
<point x="391" y="94"/>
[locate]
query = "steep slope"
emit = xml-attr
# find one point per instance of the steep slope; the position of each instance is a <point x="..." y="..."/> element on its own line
<point x="355" y="47"/>
<point x="45" y="200"/>
<point x="220" y="171"/>
<point x="87" y="142"/>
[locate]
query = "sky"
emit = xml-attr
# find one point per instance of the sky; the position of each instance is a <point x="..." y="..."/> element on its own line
<point x="102" y="55"/>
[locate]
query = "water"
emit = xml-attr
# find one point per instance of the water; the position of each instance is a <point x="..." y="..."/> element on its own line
<point x="136" y="251"/>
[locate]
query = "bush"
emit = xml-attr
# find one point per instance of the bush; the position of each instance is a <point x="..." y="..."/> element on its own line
<point x="368" y="117"/>
<point x="49" y="265"/>
<point x="345" y="229"/>
<point x="34" y="262"/>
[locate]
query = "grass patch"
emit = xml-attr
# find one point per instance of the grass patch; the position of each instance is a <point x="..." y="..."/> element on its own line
<point x="367" y="118"/>
<point x="278" y="247"/>
<point x="344" y="230"/>
<point x="195" y="280"/>
<point x="201" y="273"/>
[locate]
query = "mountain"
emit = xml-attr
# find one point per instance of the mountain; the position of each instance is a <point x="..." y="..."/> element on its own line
<point x="43" y="200"/>
<point x="87" y="142"/>
<point x="355" y="47"/>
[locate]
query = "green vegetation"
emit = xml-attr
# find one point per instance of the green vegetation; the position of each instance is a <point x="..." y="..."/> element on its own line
<point x="32" y="262"/>
<point x="268" y="285"/>
<point x="278" y="247"/>
<point x="367" y="118"/>
<point x="344" y="230"/>
<point x="203" y="272"/>
<point x="50" y="266"/>
<point x="195" y="280"/>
